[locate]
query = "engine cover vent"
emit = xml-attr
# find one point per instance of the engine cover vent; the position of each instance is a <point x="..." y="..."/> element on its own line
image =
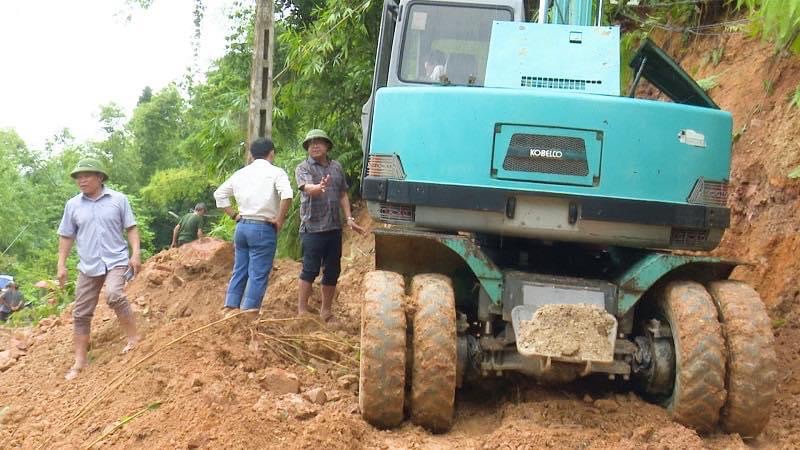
<point x="561" y="155"/>
<point x="709" y="193"/>
<point x="557" y="83"/>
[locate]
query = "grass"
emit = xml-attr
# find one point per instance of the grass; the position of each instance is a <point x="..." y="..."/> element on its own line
<point x="794" y="98"/>
<point x="708" y="83"/>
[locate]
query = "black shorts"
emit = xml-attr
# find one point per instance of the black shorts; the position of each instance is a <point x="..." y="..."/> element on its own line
<point x="322" y="250"/>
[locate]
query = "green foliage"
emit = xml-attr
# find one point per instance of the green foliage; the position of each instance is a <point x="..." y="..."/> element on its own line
<point x="794" y="98"/>
<point x="217" y="115"/>
<point x="336" y="50"/>
<point x="157" y="128"/>
<point x="769" y="86"/>
<point x="46" y="302"/>
<point x="795" y="173"/>
<point x="173" y="151"/>
<point x="223" y="229"/>
<point x="716" y="55"/>
<point x="708" y="83"/>
<point x="776" y="20"/>
<point x="173" y="186"/>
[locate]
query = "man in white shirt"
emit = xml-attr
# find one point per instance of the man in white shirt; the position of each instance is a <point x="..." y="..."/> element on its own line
<point x="263" y="195"/>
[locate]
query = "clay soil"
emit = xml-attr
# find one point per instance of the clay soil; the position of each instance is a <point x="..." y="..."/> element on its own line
<point x="198" y="381"/>
<point x="575" y="331"/>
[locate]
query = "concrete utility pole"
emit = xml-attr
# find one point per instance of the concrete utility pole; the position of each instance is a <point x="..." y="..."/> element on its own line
<point x="260" y="115"/>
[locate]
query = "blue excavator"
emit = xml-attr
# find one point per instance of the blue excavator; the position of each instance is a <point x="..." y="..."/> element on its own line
<point x="540" y="219"/>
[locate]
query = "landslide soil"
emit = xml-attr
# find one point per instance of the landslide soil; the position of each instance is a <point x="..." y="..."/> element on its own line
<point x="214" y="388"/>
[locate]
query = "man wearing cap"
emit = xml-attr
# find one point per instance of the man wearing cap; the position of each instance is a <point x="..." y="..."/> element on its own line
<point x="323" y="188"/>
<point x="10" y="300"/>
<point x="263" y="196"/>
<point x="96" y="220"/>
<point x="190" y="226"/>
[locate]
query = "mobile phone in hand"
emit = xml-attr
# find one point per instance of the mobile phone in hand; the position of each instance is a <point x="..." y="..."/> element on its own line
<point x="129" y="274"/>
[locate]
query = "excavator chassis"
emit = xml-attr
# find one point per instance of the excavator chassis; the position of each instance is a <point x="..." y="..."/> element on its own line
<point x="674" y="343"/>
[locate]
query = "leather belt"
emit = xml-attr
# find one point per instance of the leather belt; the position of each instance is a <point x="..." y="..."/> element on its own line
<point x="257" y="222"/>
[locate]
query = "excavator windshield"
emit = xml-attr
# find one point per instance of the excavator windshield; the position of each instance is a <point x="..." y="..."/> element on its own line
<point x="448" y="43"/>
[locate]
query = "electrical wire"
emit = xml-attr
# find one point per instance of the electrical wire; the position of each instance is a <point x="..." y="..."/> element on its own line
<point x="698" y="30"/>
<point x="677" y="2"/>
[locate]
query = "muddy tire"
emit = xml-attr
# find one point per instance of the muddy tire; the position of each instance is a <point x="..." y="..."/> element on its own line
<point x="699" y="389"/>
<point x="433" y="373"/>
<point x="751" y="370"/>
<point x="382" y="364"/>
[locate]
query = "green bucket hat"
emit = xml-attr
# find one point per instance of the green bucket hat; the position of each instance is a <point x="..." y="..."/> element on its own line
<point x="317" y="134"/>
<point x="89" y="165"/>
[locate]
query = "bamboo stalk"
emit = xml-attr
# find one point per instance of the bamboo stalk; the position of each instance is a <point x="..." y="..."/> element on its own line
<point x="297" y="347"/>
<point x="338" y="352"/>
<point x="123" y="422"/>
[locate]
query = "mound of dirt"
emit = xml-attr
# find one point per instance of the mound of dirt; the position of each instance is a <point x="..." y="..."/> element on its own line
<point x="574" y="331"/>
<point x="200" y="381"/>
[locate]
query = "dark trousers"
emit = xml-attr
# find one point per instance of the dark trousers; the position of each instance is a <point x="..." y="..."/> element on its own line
<point x="322" y="250"/>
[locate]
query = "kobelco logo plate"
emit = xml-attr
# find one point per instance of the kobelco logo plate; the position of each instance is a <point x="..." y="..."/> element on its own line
<point x="540" y="153"/>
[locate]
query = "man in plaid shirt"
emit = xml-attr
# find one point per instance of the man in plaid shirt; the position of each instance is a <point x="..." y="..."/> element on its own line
<point x="323" y="191"/>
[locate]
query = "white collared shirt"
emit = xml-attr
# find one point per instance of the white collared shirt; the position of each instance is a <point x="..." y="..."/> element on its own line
<point x="258" y="188"/>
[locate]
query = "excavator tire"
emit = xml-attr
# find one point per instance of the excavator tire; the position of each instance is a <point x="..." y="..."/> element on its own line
<point x="382" y="364"/>
<point x="751" y="370"/>
<point x="433" y="373"/>
<point x="699" y="389"/>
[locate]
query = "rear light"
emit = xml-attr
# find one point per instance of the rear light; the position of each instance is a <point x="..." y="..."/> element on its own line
<point x="385" y="166"/>
<point x="393" y="213"/>
<point x="688" y="239"/>
<point x="709" y="193"/>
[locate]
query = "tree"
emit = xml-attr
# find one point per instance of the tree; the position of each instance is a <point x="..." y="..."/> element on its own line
<point x="147" y="94"/>
<point x="157" y="130"/>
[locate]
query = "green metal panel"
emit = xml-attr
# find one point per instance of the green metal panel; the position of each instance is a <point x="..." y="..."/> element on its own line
<point x="642" y="155"/>
<point x="642" y="275"/>
<point x="574" y="12"/>
<point x="488" y="273"/>
<point x="409" y="252"/>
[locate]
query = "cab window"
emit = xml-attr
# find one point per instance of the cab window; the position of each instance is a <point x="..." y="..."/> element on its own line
<point x="448" y="44"/>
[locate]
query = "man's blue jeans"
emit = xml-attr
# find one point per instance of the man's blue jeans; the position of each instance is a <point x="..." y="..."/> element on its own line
<point x="255" y="249"/>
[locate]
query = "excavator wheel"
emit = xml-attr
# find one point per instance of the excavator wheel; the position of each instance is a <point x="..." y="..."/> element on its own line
<point x="689" y="378"/>
<point x="382" y="368"/>
<point x="433" y="373"/>
<point x="751" y="370"/>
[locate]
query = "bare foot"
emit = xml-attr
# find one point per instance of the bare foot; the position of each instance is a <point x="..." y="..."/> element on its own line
<point x="131" y="345"/>
<point x="73" y="372"/>
<point x="302" y="312"/>
<point x="326" y="316"/>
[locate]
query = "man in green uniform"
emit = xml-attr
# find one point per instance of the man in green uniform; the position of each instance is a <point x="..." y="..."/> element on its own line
<point x="190" y="227"/>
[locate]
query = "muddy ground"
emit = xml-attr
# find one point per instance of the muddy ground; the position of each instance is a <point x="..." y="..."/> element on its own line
<point x="198" y="381"/>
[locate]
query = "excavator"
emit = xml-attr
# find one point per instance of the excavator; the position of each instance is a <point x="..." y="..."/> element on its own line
<point x="539" y="218"/>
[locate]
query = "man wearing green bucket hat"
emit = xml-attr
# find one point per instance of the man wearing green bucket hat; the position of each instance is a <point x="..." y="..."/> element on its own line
<point x="323" y="191"/>
<point x="95" y="220"/>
